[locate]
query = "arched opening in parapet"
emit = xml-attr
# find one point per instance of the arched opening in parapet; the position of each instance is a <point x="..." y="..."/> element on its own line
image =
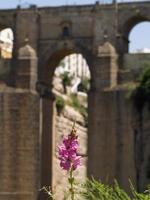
<point x="67" y="78"/>
<point x="65" y="32"/>
<point x="6" y="43"/>
<point x="139" y="38"/>
<point x="71" y="82"/>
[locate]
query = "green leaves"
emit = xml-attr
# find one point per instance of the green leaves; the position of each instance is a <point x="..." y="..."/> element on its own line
<point x="84" y="85"/>
<point x="142" y="93"/>
<point x="47" y="190"/>
<point x="60" y="103"/>
<point x="95" y="190"/>
<point x="66" y="80"/>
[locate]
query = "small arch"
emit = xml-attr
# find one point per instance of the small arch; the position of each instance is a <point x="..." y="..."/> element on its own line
<point x="66" y="31"/>
<point x="129" y="25"/>
<point x="136" y="45"/>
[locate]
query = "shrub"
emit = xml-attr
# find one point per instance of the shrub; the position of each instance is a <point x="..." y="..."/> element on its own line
<point x="84" y="85"/>
<point x="60" y="104"/>
<point x="66" y="80"/>
<point x="75" y="103"/>
<point x="142" y="93"/>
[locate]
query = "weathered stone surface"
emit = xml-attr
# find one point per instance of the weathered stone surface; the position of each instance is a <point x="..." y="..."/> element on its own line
<point x="26" y="52"/>
<point x="132" y="67"/>
<point x="5" y="69"/>
<point x="19" y="144"/>
<point x="142" y="147"/>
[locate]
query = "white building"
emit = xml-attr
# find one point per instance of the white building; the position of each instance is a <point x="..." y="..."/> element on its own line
<point x="76" y="65"/>
<point x="77" y="69"/>
<point x="144" y="50"/>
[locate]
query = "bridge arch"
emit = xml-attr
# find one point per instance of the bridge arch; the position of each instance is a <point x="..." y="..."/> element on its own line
<point x="49" y="60"/>
<point x="47" y="65"/>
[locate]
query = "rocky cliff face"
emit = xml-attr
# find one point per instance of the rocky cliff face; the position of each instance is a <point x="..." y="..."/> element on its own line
<point x="63" y="125"/>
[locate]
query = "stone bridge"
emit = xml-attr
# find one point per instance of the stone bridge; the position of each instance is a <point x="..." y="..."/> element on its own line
<point x="118" y="145"/>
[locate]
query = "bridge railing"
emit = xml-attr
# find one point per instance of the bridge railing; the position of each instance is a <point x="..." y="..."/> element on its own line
<point x="118" y="1"/>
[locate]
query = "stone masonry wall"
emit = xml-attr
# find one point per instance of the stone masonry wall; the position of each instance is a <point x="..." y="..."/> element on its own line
<point x="133" y="64"/>
<point x="4" y="69"/>
<point x="19" y="144"/>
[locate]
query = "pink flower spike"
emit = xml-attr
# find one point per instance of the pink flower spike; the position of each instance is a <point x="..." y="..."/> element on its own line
<point x="64" y="164"/>
<point x="76" y="162"/>
<point x="67" y="152"/>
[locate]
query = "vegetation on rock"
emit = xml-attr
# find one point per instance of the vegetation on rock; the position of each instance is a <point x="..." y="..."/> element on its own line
<point x="60" y="104"/>
<point x="84" y="85"/>
<point x="76" y="104"/>
<point x="66" y="80"/>
<point x="141" y="94"/>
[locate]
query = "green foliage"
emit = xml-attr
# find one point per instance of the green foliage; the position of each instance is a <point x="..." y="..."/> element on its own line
<point x="75" y="103"/>
<point x="66" y="80"/>
<point x="95" y="190"/>
<point x="84" y="85"/>
<point x="48" y="193"/>
<point x="60" y="103"/>
<point x="145" y="81"/>
<point x="140" y="196"/>
<point x="142" y="93"/>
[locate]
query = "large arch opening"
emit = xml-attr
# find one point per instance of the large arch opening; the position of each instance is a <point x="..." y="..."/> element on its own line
<point x="67" y="78"/>
<point x="71" y="82"/>
<point x="6" y="51"/>
<point x="6" y="43"/>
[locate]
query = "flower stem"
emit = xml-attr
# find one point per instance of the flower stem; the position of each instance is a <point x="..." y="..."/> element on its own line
<point x="71" y="181"/>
